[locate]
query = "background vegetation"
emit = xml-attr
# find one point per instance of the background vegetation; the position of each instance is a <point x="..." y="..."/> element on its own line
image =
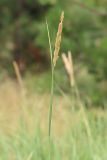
<point x="24" y="38"/>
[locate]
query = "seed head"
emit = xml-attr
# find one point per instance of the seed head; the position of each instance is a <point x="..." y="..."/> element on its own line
<point x="69" y="66"/>
<point x="58" y="40"/>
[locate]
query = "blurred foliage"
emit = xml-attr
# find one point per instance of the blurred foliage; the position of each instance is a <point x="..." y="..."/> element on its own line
<point x="84" y="33"/>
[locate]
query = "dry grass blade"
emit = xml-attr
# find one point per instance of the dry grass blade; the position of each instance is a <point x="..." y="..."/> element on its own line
<point x="18" y="75"/>
<point x="69" y="66"/>
<point x="19" y="79"/>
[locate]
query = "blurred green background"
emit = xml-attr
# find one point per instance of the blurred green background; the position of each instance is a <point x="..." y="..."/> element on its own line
<point x="24" y="39"/>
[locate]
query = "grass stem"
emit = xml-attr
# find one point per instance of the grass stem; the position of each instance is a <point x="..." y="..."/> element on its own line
<point x="52" y="83"/>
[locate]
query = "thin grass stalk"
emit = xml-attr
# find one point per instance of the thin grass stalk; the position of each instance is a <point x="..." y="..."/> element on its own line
<point x="51" y="100"/>
<point x="23" y="93"/>
<point x="85" y="119"/>
<point x="54" y="58"/>
<point x="52" y="83"/>
<point x="52" y="93"/>
<point x="68" y="62"/>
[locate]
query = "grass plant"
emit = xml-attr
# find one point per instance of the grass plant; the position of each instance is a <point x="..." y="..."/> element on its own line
<point x="79" y="134"/>
<point x="54" y="58"/>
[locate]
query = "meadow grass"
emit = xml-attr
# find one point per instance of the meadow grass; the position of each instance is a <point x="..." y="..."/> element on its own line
<point x="23" y="134"/>
<point x="77" y="133"/>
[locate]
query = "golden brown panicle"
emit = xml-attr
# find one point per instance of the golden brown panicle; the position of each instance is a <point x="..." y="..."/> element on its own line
<point x="58" y="40"/>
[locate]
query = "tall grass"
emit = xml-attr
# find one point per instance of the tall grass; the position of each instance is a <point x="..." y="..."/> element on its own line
<point x="68" y="62"/>
<point x="72" y="144"/>
<point x="54" y="58"/>
<point x="79" y="134"/>
<point x="28" y="139"/>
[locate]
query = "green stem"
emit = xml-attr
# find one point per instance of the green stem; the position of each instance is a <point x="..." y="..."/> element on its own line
<point x="51" y="100"/>
<point x="52" y="82"/>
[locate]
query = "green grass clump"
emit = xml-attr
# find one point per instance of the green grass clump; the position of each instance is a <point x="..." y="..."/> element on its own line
<point x="23" y="133"/>
<point x="73" y="144"/>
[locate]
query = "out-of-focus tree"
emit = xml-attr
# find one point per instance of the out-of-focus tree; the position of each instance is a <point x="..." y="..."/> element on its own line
<point x="18" y="29"/>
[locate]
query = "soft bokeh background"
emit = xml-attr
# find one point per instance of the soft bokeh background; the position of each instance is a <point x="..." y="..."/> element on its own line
<point x="24" y="109"/>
